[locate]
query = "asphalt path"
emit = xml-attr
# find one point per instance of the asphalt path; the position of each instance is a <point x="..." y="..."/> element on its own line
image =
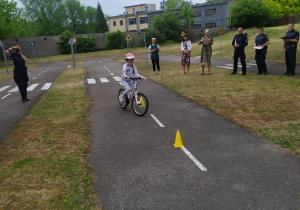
<point x="136" y="165"/>
<point x="273" y="68"/>
<point x="12" y="110"/>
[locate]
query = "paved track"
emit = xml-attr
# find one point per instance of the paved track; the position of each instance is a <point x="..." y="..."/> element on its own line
<point x="12" y="110"/>
<point x="137" y="167"/>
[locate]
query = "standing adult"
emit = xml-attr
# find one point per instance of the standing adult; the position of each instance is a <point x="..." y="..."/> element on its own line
<point x="261" y="40"/>
<point x="154" y="50"/>
<point x="206" y="52"/>
<point x="239" y="42"/>
<point x="20" y="70"/>
<point x="290" y="45"/>
<point x="186" y="47"/>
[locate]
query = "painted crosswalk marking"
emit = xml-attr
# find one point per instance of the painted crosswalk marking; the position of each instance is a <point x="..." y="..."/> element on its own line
<point x="103" y="80"/>
<point x="91" y="81"/>
<point x="117" y="78"/>
<point x="224" y="67"/>
<point x="31" y="87"/>
<point x="5" y="96"/>
<point x="4" y="88"/>
<point x="14" y="90"/>
<point x="46" y="86"/>
<point x="239" y="65"/>
<point x="121" y="83"/>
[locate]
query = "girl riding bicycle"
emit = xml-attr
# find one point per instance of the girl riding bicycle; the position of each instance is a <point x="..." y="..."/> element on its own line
<point x="129" y="70"/>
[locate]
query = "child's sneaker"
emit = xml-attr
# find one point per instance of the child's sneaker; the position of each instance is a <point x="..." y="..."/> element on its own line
<point x="121" y="99"/>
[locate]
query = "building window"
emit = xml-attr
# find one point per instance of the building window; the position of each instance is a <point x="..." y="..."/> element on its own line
<point x="197" y="14"/>
<point x="121" y="22"/>
<point x="210" y="12"/>
<point x="210" y="25"/>
<point x="132" y="21"/>
<point x="114" y="23"/>
<point x="143" y="20"/>
<point x="133" y="10"/>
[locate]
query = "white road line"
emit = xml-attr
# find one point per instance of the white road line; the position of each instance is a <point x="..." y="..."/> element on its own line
<point x="117" y="78"/>
<point x="5" y="96"/>
<point x="111" y="73"/>
<point x="14" y="90"/>
<point x="214" y="52"/>
<point x="4" y="88"/>
<point x="239" y="65"/>
<point x="121" y="83"/>
<point x="91" y="81"/>
<point x="100" y="61"/>
<point x="202" y="168"/>
<point x="31" y="87"/>
<point x="224" y="67"/>
<point x="47" y="69"/>
<point x="108" y="70"/>
<point x="104" y="66"/>
<point x="34" y="78"/>
<point x="251" y="64"/>
<point x="104" y="80"/>
<point x="39" y="74"/>
<point x="46" y="86"/>
<point x="156" y="120"/>
<point x="44" y="71"/>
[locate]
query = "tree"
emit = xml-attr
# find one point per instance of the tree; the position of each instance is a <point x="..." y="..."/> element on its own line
<point x="48" y="16"/>
<point x="76" y="15"/>
<point x="168" y="25"/>
<point x="283" y="8"/>
<point x="188" y="15"/>
<point x="170" y="4"/>
<point x="91" y="14"/>
<point x="101" y="24"/>
<point x="251" y="13"/>
<point x="9" y="17"/>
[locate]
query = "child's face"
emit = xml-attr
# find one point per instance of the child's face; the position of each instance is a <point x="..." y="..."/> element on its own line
<point x="130" y="62"/>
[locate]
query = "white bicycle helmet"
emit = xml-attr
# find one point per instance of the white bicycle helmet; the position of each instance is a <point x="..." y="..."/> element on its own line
<point x="129" y="56"/>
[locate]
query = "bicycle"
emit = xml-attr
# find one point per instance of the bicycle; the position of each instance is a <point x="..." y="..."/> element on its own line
<point x="139" y="102"/>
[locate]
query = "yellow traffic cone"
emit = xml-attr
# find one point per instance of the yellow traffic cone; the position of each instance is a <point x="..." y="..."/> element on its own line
<point x="178" y="142"/>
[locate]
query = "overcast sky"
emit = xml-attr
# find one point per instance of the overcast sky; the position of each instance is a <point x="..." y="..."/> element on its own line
<point x="116" y="7"/>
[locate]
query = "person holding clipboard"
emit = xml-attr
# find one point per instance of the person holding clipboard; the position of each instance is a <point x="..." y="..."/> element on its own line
<point x="291" y="40"/>
<point x="260" y="46"/>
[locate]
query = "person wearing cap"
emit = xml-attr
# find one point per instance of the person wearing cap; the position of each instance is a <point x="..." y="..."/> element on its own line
<point x="20" y="70"/>
<point x="186" y="47"/>
<point x="154" y="50"/>
<point x="290" y="45"/>
<point x="206" y="52"/>
<point x="129" y="70"/>
<point x="261" y="40"/>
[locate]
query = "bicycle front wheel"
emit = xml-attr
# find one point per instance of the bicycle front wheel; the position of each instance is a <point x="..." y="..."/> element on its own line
<point x="123" y="104"/>
<point x="140" y="105"/>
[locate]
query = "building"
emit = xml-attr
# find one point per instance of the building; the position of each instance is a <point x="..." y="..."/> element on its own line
<point x="139" y="17"/>
<point x="135" y="18"/>
<point x="206" y="15"/>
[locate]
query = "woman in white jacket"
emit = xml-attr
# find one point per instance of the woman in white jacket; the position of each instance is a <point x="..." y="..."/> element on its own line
<point x="186" y="47"/>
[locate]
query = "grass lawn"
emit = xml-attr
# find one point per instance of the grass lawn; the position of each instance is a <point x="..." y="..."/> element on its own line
<point x="267" y="106"/>
<point x="43" y="160"/>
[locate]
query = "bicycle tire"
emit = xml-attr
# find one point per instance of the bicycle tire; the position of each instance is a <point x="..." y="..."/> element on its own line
<point x="140" y="110"/>
<point x="123" y="105"/>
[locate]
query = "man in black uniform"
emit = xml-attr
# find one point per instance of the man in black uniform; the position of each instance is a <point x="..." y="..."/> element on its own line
<point x="239" y="42"/>
<point x="262" y="40"/>
<point x="290" y="45"/>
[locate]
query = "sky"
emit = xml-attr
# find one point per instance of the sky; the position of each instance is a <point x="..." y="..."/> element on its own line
<point x="116" y="7"/>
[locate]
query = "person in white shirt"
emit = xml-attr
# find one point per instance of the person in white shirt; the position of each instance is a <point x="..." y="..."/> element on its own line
<point x="186" y="47"/>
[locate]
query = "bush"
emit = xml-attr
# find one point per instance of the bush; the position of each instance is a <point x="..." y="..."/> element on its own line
<point x="115" y="40"/>
<point x="83" y="44"/>
<point x="160" y="38"/>
<point x="62" y="43"/>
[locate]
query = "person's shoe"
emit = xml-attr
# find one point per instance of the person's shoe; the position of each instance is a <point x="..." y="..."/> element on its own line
<point x="286" y="73"/>
<point x="153" y="73"/>
<point x="291" y="74"/>
<point x="258" y="73"/>
<point x="27" y="99"/>
<point x="121" y="99"/>
<point x="233" y="73"/>
<point x="159" y="72"/>
<point x="265" y="74"/>
<point x="24" y="100"/>
<point x="243" y="74"/>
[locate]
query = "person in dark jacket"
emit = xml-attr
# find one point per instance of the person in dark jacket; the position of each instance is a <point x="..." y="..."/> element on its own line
<point x="261" y="41"/>
<point x="239" y="42"/>
<point x="20" y="70"/>
<point x="290" y="45"/>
